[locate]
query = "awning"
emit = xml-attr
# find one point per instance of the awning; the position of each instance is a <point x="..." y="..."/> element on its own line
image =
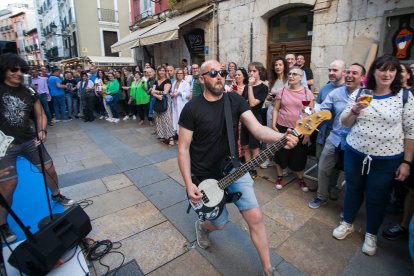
<point x="168" y="30"/>
<point x="128" y="41"/>
<point x="111" y="61"/>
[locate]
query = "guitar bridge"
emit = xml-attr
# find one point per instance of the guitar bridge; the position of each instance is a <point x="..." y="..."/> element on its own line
<point x="205" y="198"/>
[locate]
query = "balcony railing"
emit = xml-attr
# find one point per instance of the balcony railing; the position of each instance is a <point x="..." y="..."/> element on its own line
<point x="108" y="15"/>
<point x="143" y="15"/>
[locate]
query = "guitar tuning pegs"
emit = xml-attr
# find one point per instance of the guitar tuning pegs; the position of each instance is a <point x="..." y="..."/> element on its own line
<point x="318" y="116"/>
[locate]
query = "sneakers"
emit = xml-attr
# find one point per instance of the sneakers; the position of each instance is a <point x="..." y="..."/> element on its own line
<point x="279" y="183"/>
<point x="272" y="271"/>
<point x="126" y="118"/>
<point x="286" y="172"/>
<point x="134" y="117"/>
<point x="343" y="230"/>
<point x="115" y="120"/>
<point x="8" y="233"/>
<point x="63" y="199"/>
<point x="109" y="119"/>
<point x="370" y="244"/>
<point x="302" y="184"/>
<point x="317" y="202"/>
<point x="395" y="232"/>
<point x="267" y="164"/>
<point x="203" y="239"/>
<point x="101" y="117"/>
<point x="253" y="174"/>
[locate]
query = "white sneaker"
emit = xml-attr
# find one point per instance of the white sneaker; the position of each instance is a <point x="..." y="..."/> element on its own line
<point x="115" y="120"/>
<point x="286" y="172"/>
<point x="265" y="164"/>
<point x="370" y="244"/>
<point x="101" y="117"/>
<point x="134" y="117"/>
<point x="126" y="117"/>
<point x="343" y="230"/>
<point x="109" y="119"/>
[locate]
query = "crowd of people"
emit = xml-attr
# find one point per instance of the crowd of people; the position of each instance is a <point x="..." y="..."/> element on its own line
<point x="368" y="146"/>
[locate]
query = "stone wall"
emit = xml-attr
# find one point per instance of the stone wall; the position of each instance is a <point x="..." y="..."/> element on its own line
<point x="346" y="30"/>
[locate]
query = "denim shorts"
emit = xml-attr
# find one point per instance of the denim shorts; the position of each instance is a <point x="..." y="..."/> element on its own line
<point x="246" y="202"/>
<point x="26" y="150"/>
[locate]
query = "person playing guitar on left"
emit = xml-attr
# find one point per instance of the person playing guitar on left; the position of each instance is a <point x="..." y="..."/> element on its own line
<point x="17" y="104"/>
<point x="203" y="146"/>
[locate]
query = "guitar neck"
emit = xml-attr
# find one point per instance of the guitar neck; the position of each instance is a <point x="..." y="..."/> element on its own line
<point x="253" y="163"/>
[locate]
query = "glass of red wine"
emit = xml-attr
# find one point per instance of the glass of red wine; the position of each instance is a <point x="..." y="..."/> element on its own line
<point x="306" y="102"/>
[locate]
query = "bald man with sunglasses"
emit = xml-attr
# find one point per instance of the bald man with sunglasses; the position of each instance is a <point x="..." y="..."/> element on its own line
<point x="202" y="150"/>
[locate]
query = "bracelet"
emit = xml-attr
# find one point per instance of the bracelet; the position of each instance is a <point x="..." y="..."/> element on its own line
<point x="354" y="112"/>
<point x="43" y="130"/>
<point x="407" y="162"/>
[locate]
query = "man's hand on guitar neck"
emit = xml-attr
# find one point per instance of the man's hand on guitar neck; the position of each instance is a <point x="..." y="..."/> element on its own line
<point x="194" y="193"/>
<point x="291" y="140"/>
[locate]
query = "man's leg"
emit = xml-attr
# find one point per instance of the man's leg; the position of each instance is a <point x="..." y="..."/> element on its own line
<point x="7" y="189"/>
<point x="254" y="219"/>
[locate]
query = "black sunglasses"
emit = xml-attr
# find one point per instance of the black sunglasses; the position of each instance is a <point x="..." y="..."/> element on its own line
<point x="15" y="69"/>
<point x="213" y="73"/>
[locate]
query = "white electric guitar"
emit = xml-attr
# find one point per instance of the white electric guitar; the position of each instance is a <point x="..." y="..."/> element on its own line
<point x="215" y="195"/>
<point x="5" y="142"/>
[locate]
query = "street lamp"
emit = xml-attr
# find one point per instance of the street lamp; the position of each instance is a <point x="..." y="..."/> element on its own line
<point x="54" y="29"/>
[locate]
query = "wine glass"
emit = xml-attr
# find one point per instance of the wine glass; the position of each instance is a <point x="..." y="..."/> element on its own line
<point x="365" y="96"/>
<point x="305" y="102"/>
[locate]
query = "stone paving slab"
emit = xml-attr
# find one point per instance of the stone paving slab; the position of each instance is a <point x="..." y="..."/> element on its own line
<point x="116" y="181"/>
<point x="145" y="175"/>
<point x="184" y="222"/>
<point x="151" y="249"/>
<point x="190" y="263"/>
<point x="126" y="222"/>
<point x="164" y="193"/>
<point x="79" y="176"/>
<point x="114" y="201"/>
<point x="130" y="161"/>
<point x="168" y="166"/>
<point x="85" y="190"/>
<point x="96" y="161"/>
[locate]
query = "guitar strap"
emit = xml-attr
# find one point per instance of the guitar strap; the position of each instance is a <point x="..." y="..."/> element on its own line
<point x="230" y="133"/>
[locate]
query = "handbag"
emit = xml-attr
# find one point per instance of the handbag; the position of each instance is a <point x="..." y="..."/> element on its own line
<point x="161" y="106"/>
<point x="109" y="98"/>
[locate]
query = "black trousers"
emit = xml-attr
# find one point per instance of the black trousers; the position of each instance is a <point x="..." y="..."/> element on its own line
<point x="142" y="110"/>
<point x="89" y="107"/>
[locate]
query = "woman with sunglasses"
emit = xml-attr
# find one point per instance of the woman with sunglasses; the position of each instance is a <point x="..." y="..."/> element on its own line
<point x="163" y="121"/>
<point x="288" y="109"/>
<point x="180" y="94"/>
<point x="255" y="94"/>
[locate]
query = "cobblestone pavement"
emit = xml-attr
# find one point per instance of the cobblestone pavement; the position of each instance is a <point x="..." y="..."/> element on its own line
<point x="138" y="198"/>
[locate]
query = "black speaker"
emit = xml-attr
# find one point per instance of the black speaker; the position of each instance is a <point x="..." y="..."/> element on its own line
<point x="40" y="254"/>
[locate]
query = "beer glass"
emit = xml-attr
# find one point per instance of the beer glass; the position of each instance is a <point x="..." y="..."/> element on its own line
<point x="366" y="96"/>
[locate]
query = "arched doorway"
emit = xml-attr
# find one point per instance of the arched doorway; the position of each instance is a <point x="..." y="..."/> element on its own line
<point x="290" y="31"/>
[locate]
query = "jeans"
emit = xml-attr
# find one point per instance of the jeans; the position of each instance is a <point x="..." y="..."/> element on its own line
<point x="114" y="105"/>
<point x="59" y="105"/>
<point x="45" y="105"/>
<point x="411" y="238"/>
<point x="376" y="186"/>
<point x="69" y="103"/>
<point x="151" y="108"/>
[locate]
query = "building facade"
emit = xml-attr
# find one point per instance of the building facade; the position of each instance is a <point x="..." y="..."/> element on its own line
<point x="21" y="23"/>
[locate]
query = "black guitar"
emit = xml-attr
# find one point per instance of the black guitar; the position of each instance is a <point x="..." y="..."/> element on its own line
<point x="215" y="194"/>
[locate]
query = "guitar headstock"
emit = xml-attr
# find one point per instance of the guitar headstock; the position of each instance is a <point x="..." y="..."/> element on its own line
<point x="308" y="124"/>
<point x="5" y="142"/>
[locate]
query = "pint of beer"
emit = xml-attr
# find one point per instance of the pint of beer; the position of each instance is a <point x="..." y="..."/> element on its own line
<point x="366" y="96"/>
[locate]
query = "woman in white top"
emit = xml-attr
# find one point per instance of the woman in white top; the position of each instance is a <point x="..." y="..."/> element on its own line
<point x="180" y="94"/>
<point x="187" y="77"/>
<point x="379" y="148"/>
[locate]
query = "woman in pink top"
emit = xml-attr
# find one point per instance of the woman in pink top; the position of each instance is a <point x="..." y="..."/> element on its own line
<point x="288" y="109"/>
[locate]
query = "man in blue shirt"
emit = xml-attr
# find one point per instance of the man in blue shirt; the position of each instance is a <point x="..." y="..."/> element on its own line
<point x="336" y="101"/>
<point x="56" y="90"/>
<point x="336" y="79"/>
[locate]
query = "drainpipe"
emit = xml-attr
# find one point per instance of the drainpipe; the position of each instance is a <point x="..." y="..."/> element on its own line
<point x="251" y="41"/>
<point x="217" y="30"/>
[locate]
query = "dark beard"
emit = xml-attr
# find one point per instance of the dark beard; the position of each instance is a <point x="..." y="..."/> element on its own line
<point x="210" y="88"/>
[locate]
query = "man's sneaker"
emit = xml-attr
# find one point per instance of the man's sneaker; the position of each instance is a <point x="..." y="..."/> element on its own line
<point x="126" y="118"/>
<point x="395" y="232"/>
<point x="302" y="184"/>
<point x="134" y="117"/>
<point x="8" y="233"/>
<point x="101" y="117"/>
<point x="370" y="244"/>
<point x="286" y="172"/>
<point x="343" y="230"/>
<point x="279" y="183"/>
<point x="317" y="202"/>
<point x="62" y="199"/>
<point x="67" y="120"/>
<point x="272" y="271"/>
<point x="253" y="174"/>
<point x="115" y="120"/>
<point x="267" y="164"/>
<point x="203" y="239"/>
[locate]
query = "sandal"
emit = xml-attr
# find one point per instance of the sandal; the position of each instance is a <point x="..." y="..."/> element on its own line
<point x="279" y="183"/>
<point x="171" y="143"/>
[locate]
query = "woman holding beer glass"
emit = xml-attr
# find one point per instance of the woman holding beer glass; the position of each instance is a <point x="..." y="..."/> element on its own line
<point x="379" y="148"/>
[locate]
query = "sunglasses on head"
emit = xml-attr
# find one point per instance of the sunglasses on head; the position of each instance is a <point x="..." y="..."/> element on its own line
<point x="213" y="73"/>
<point x="15" y="69"/>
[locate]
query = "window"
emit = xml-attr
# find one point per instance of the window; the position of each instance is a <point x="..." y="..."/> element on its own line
<point x="110" y="38"/>
<point x="291" y="25"/>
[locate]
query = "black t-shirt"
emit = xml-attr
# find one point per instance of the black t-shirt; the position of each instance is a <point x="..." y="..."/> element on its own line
<point x="260" y="93"/>
<point x="209" y="147"/>
<point x="160" y="87"/>
<point x="71" y="82"/>
<point x="16" y="107"/>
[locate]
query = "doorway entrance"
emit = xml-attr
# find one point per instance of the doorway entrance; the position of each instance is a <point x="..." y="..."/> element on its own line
<point x="290" y="32"/>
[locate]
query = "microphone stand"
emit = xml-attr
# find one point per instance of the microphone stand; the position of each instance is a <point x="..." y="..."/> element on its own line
<point x="45" y="220"/>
